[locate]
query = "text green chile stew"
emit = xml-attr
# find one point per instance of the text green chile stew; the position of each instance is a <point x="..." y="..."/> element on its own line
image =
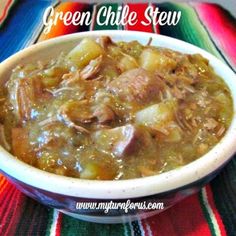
<point x="113" y="110"/>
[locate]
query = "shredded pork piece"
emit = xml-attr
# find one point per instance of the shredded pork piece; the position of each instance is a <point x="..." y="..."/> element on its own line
<point x="136" y="85"/>
<point x="91" y="69"/>
<point x="182" y="122"/>
<point x="70" y="78"/>
<point x="178" y="93"/>
<point x="122" y="141"/>
<point x="100" y="127"/>
<point x="57" y="91"/>
<point x="210" y="124"/>
<point x="149" y="41"/>
<point x="23" y="94"/>
<point x="220" y="131"/>
<point x="48" y="121"/>
<point x="71" y="124"/>
<point x="105" y="41"/>
<point x="73" y="112"/>
<point x="189" y="88"/>
<point x="104" y="114"/>
<point x="194" y="122"/>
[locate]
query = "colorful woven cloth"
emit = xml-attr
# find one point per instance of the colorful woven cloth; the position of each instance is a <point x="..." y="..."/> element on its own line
<point x="210" y="212"/>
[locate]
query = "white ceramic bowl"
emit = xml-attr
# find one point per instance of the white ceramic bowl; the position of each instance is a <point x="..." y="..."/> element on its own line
<point x="64" y="193"/>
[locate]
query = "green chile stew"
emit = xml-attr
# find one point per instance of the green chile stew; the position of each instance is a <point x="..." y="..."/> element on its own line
<point x="114" y="111"/>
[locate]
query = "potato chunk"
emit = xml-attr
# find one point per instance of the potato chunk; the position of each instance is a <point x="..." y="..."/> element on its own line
<point x="152" y="60"/>
<point x="84" y="52"/>
<point x="157" y="116"/>
<point x="127" y="63"/>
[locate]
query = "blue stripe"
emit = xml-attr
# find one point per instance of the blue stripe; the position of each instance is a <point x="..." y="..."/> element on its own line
<point x="25" y="17"/>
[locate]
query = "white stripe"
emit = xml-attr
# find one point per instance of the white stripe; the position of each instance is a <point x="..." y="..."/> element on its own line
<point x="126" y="25"/>
<point x="148" y="228"/>
<point x="54" y="222"/>
<point x="120" y="26"/>
<point x="141" y="227"/>
<point x="153" y="26"/>
<point x="94" y="13"/>
<point x="125" y="229"/>
<point x="210" y="212"/>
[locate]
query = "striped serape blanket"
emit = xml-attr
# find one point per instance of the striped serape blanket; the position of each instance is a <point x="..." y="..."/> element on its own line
<point x="212" y="211"/>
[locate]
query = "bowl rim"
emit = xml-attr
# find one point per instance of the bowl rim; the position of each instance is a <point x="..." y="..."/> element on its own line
<point x="131" y="188"/>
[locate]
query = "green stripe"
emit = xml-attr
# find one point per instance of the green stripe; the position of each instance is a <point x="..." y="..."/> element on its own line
<point x="39" y="219"/>
<point x="224" y="193"/>
<point x="23" y="226"/>
<point x="206" y="213"/>
<point x="189" y="28"/>
<point x="102" y="18"/>
<point x="127" y="229"/>
<point x="50" y="221"/>
<point x="75" y="227"/>
<point x="34" y="219"/>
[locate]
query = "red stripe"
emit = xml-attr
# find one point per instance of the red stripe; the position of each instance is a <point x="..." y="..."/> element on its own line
<point x="215" y="211"/>
<point x="59" y="224"/>
<point x="5" y="10"/>
<point x="221" y="27"/>
<point x="3" y="183"/>
<point x="144" y="225"/>
<point x="60" y="28"/>
<point x="140" y="10"/>
<point x="16" y="212"/>
<point x="6" y="187"/>
<point x="185" y="218"/>
<point x="6" y="207"/>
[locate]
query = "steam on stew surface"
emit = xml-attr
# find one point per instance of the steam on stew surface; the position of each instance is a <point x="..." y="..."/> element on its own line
<point x="113" y="110"/>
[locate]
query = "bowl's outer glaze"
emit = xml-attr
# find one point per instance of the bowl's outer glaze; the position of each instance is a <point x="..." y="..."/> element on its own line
<point x="170" y="187"/>
<point x="67" y="204"/>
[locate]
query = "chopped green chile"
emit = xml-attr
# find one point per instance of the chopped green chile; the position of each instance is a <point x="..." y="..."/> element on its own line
<point x="109" y="111"/>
